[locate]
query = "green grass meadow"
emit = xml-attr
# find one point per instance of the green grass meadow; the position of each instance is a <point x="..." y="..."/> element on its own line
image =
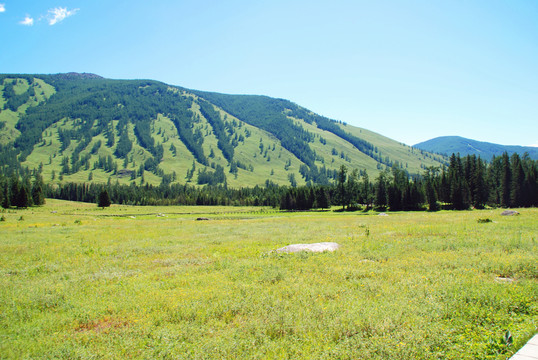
<point x="80" y="282"/>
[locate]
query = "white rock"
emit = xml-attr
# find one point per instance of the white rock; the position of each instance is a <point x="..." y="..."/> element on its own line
<point x="316" y="247"/>
<point x="509" y="213"/>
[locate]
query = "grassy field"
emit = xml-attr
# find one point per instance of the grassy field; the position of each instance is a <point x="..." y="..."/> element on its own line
<point x="78" y="282"/>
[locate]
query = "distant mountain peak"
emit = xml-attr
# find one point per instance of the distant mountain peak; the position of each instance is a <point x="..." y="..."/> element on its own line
<point x="75" y="75"/>
<point x="456" y="144"/>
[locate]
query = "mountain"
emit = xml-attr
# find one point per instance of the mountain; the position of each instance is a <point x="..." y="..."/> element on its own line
<point x="448" y="145"/>
<point x="82" y="127"/>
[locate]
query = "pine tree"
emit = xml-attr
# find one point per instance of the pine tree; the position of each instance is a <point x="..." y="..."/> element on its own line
<point x="342" y="185"/>
<point x="38" y="197"/>
<point x="366" y="191"/>
<point x="531" y="181"/>
<point x="6" y="200"/>
<point x="352" y="188"/>
<point x="506" y="180"/>
<point x="493" y="181"/>
<point x="397" y="189"/>
<point x="381" y="194"/>
<point x="104" y="199"/>
<point x="459" y="188"/>
<point x="14" y="189"/>
<point x="22" y="199"/>
<point x="429" y="188"/>
<point x="322" y="198"/>
<point x="518" y="181"/>
<point x="479" y="191"/>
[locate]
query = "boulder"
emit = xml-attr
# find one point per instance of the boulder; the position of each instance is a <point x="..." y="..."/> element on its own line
<point x="509" y="213"/>
<point x="316" y="247"/>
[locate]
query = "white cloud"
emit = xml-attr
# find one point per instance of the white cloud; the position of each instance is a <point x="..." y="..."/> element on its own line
<point x="2" y="8"/>
<point x="28" y="21"/>
<point x="58" y="14"/>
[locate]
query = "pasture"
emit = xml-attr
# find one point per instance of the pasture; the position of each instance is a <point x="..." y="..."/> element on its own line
<point x="80" y="282"/>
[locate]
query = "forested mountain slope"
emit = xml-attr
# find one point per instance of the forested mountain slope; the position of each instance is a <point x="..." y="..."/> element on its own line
<point x="84" y="128"/>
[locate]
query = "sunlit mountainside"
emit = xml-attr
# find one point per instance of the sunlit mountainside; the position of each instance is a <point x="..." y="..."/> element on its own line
<point x="81" y="127"/>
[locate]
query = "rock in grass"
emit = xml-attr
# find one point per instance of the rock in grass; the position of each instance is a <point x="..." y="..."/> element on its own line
<point x="316" y="247"/>
<point x="509" y="213"/>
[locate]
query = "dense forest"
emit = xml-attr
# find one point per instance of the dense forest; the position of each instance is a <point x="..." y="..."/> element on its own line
<point x="468" y="182"/>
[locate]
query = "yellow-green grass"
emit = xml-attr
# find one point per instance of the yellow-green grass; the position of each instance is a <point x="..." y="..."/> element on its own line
<point x="8" y="133"/>
<point x="409" y="157"/>
<point x="357" y="159"/>
<point x="180" y="163"/>
<point x="77" y="281"/>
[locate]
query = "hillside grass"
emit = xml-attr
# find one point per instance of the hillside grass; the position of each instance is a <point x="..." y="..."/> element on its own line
<point x="357" y="159"/>
<point x="77" y="281"/>
<point x="413" y="160"/>
<point x="164" y="132"/>
<point x="43" y="91"/>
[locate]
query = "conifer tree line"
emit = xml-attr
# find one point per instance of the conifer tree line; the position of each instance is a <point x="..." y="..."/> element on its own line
<point x="169" y="194"/>
<point x="468" y="182"/>
<point x="22" y="192"/>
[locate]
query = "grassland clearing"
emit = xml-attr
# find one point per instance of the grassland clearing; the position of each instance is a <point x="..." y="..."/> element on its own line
<point x="77" y="281"/>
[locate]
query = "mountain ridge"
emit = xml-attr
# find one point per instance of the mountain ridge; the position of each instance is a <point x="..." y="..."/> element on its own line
<point x="456" y="144"/>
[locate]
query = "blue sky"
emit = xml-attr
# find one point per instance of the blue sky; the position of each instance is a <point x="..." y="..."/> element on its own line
<point x="410" y="70"/>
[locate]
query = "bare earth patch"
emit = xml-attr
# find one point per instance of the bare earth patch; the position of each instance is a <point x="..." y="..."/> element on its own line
<point x="102" y="325"/>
